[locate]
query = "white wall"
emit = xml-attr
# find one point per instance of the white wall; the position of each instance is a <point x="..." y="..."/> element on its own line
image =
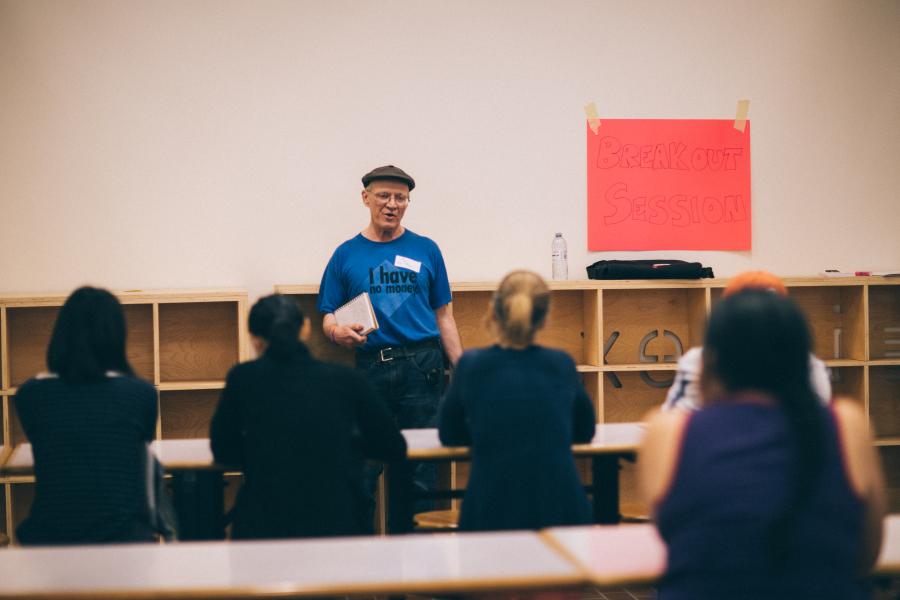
<point x="206" y="143"/>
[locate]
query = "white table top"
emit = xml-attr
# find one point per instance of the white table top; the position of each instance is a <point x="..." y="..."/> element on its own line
<point x="609" y="438"/>
<point x="634" y="554"/>
<point x="173" y="454"/>
<point x="612" y="555"/>
<point x="444" y="563"/>
<point x="889" y="559"/>
<point x="422" y="444"/>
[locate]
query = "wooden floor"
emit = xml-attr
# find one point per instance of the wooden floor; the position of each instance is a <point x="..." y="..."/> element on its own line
<point x="884" y="590"/>
<point x="621" y="594"/>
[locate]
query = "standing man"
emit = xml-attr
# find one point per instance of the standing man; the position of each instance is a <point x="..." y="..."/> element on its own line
<point x="404" y="274"/>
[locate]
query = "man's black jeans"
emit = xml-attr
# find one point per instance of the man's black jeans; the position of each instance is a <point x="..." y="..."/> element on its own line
<point x="411" y="387"/>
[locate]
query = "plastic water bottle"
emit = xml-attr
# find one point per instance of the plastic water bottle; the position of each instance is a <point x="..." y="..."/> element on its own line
<point x="560" y="257"/>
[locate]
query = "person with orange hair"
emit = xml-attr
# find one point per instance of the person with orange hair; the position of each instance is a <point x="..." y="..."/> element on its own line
<point x="684" y="394"/>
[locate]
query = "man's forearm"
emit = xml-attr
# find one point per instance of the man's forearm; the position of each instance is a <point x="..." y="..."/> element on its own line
<point x="449" y="334"/>
<point x="328" y="323"/>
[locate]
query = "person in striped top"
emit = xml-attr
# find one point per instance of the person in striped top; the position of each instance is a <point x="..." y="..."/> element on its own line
<point x="89" y="420"/>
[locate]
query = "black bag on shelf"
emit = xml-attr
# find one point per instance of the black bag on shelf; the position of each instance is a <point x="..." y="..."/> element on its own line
<point x="648" y="269"/>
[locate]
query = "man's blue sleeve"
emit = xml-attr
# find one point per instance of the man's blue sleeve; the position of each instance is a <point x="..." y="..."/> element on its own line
<point x="331" y="289"/>
<point x="440" y="288"/>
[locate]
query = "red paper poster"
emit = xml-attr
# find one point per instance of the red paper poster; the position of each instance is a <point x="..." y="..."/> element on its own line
<point x="668" y="184"/>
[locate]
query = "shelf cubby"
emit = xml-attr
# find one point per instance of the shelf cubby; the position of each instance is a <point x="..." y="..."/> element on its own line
<point x="319" y="346"/>
<point x="593" y="385"/>
<point x="21" y="498"/>
<point x="849" y="382"/>
<point x="198" y="341"/>
<point x="890" y="462"/>
<point x="884" y="401"/>
<point x="28" y="330"/>
<point x="139" y="321"/>
<point x="186" y="414"/>
<point x="884" y="322"/>
<point x="470" y="309"/>
<point x="652" y="326"/>
<point x="629" y="395"/>
<point x="836" y="316"/>
<point x="14" y="427"/>
<point x="572" y="325"/>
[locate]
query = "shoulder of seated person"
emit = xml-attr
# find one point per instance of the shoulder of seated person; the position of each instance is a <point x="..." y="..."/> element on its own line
<point x="850" y="414"/>
<point x="130" y="381"/>
<point x="36" y="382"/>
<point x="658" y="420"/>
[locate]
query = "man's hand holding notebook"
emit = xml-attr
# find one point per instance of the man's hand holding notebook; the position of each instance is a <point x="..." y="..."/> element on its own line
<point x="359" y="310"/>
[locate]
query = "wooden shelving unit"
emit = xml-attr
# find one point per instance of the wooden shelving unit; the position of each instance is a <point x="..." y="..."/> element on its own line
<point x="626" y="337"/>
<point x="184" y="341"/>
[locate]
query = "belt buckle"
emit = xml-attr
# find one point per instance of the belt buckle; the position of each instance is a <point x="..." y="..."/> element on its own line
<point x="381" y="355"/>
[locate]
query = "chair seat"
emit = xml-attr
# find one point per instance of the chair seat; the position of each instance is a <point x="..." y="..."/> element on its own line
<point x="437" y="520"/>
<point x="635" y="513"/>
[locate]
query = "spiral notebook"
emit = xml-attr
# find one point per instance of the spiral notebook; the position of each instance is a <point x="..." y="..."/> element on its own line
<point x="359" y="310"/>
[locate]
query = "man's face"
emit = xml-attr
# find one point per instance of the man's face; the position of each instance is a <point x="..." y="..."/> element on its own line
<point x="387" y="201"/>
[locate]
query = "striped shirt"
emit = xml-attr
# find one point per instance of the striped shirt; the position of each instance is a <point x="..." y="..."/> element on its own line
<point x="89" y="442"/>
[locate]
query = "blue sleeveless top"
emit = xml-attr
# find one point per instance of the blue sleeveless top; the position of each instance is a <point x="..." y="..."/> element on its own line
<point x="730" y="484"/>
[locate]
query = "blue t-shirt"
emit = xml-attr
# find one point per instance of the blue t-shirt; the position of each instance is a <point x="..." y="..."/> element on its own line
<point x="406" y="280"/>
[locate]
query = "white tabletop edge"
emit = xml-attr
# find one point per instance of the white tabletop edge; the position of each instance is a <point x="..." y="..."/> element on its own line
<point x="398" y="564"/>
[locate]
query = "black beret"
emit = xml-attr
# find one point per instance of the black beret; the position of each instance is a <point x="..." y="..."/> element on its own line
<point x="388" y="172"/>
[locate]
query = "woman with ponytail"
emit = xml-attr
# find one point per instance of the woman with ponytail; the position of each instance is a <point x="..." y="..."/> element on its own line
<point x="764" y="493"/>
<point x="520" y="407"/>
<point x="300" y="430"/>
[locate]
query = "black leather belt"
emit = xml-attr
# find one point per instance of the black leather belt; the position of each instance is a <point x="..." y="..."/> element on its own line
<point x="396" y="352"/>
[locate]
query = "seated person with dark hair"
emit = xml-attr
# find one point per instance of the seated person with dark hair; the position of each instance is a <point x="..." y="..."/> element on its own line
<point x="299" y="429"/>
<point x="763" y="493"/>
<point x="89" y="420"/>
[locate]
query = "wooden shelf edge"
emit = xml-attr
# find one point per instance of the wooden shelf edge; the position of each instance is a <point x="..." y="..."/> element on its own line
<point x="182" y="386"/>
<point x="639" y="367"/>
<point x="884" y="362"/>
<point x="627" y="284"/>
<point x="297" y="289"/>
<point x="875" y="280"/>
<point x="887" y="442"/>
<point x="14" y="479"/>
<point x="130" y="297"/>
<point x="844" y="362"/>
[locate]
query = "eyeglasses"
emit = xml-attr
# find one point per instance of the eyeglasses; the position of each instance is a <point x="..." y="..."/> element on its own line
<point x="382" y="198"/>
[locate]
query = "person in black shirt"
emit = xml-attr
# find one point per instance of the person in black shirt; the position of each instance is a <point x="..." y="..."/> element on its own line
<point x="89" y="420"/>
<point x="300" y="430"/>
